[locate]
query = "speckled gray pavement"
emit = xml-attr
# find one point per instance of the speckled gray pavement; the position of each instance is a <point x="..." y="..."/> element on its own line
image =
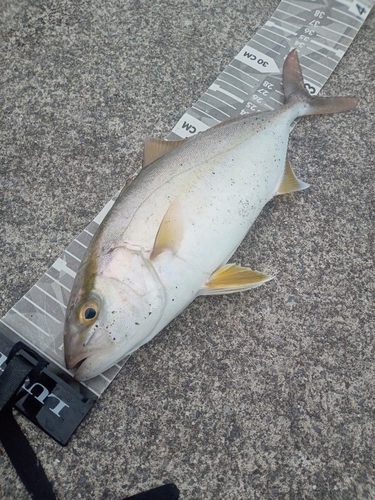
<point x="261" y="395"/>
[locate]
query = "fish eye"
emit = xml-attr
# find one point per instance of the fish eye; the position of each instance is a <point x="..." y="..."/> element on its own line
<point x="88" y="312"/>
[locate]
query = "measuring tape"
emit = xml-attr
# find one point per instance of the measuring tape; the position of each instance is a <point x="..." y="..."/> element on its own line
<point x="250" y="83"/>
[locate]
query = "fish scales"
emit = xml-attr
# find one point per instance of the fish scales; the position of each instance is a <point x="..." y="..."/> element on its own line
<point x="196" y="180"/>
<point x="172" y="230"/>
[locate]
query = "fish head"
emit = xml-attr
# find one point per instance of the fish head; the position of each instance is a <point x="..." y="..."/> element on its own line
<point x="111" y="312"/>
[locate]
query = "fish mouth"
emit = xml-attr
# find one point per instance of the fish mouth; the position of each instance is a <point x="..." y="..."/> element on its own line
<point x="75" y="361"/>
<point x="89" y="364"/>
<point x="71" y="366"/>
<point x="84" y="369"/>
<point x="86" y="354"/>
<point x="81" y="364"/>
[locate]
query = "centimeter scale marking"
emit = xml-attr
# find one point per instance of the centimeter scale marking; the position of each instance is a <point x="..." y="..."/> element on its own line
<point x="252" y="81"/>
<point x="321" y="32"/>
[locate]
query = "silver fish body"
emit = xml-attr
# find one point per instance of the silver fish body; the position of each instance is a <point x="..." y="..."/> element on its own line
<point x="172" y="230"/>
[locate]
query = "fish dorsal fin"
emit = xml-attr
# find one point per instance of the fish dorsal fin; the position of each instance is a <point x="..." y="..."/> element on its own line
<point x="170" y="232"/>
<point x="290" y="182"/>
<point x="232" y="278"/>
<point x="156" y="148"/>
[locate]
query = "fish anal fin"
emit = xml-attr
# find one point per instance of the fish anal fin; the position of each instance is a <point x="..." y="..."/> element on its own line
<point x="290" y="182"/>
<point x="156" y="148"/>
<point x="232" y="278"/>
<point x="170" y="232"/>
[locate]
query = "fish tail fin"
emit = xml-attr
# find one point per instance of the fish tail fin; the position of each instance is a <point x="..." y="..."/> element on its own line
<point x="294" y="90"/>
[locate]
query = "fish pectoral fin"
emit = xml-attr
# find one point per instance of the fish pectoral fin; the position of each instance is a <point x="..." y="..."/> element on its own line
<point x="232" y="278"/>
<point x="156" y="148"/>
<point x="289" y="182"/>
<point x="170" y="232"/>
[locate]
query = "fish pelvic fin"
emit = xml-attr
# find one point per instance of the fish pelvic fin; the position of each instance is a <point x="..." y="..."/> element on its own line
<point x="294" y="90"/>
<point x="232" y="278"/>
<point x="170" y="232"/>
<point x="290" y="183"/>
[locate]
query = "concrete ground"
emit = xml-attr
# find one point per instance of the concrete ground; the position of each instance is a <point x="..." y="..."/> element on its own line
<point x="260" y="395"/>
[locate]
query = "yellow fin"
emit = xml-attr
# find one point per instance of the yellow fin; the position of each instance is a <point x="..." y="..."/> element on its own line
<point x="232" y="278"/>
<point x="170" y="232"/>
<point x="290" y="182"/>
<point x="156" y="148"/>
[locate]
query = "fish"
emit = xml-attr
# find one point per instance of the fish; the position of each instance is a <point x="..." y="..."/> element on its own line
<point x="170" y="234"/>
